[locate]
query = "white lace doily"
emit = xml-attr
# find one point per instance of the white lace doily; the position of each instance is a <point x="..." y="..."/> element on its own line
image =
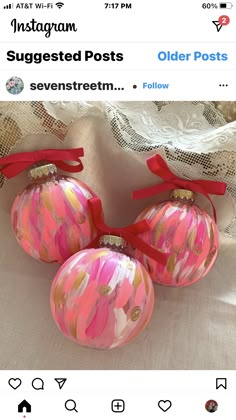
<point x="143" y="126"/>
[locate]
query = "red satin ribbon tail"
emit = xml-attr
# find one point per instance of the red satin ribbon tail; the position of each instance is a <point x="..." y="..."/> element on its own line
<point x="95" y="206"/>
<point x="69" y="168"/>
<point x="141" y="226"/>
<point x="213" y="207"/>
<point x="165" y="186"/>
<point x="94" y="243"/>
<point x="159" y="167"/>
<point x="148" y="250"/>
<point x="199" y="189"/>
<point x="154" y="190"/>
<point x="17" y="157"/>
<point x="129" y="233"/>
<point x="10" y="170"/>
<point x="212" y="187"/>
<point x="14" y="164"/>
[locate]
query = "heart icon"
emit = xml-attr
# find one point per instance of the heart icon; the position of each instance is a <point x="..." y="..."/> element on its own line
<point x="15" y="383"/>
<point x="164" y="405"/>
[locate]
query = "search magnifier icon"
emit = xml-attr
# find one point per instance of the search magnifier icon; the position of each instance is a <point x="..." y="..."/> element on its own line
<point x="70" y="405"/>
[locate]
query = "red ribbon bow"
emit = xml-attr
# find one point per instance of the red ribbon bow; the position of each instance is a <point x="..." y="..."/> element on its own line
<point x="158" y="166"/>
<point x="129" y="233"/>
<point x="14" y="164"/>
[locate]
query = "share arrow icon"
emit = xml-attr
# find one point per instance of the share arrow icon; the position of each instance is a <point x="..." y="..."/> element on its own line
<point x="217" y="24"/>
<point x="61" y="382"/>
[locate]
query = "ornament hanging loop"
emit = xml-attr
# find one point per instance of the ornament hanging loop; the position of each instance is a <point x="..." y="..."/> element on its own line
<point x="14" y="164"/>
<point x="158" y="166"/>
<point x="129" y="233"/>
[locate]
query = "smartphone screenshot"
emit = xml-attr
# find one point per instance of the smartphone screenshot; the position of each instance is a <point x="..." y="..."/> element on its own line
<point x="117" y="209"/>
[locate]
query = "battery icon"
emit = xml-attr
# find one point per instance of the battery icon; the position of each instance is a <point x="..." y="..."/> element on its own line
<point x="226" y="5"/>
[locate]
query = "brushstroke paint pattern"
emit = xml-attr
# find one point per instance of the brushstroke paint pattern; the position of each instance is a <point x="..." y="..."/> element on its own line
<point x="51" y="218"/>
<point x="102" y="299"/>
<point x="185" y="231"/>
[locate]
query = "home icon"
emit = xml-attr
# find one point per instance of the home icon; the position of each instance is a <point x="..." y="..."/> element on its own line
<point x="24" y="405"/>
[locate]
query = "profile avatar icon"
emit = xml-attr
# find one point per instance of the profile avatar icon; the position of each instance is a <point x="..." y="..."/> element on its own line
<point x="211" y="406"/>
<point x="15" y="85"/>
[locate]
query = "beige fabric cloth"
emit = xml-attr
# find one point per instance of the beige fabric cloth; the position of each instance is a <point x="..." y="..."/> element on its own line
<point x="191" y="328"/>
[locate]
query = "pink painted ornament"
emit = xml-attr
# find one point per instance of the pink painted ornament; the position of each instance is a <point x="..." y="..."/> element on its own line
<point x="186" y="232"/>
<point x="102" y="298"/>
<point x="51" y="217"/>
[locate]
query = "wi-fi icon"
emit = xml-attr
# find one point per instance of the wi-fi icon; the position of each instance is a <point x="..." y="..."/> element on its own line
<point x="59" y="5"/>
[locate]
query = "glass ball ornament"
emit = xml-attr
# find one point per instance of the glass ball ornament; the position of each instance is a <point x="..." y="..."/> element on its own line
<point x="101" y="298"/>
<point x="51" y="217"/>
<point x="186" y="232"/>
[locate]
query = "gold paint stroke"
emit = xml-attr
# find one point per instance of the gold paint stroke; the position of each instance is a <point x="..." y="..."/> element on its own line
<point x="212" y="237"/>
<point x="135" y="313"/>
<point x="73" y="328"/>
<point x="146" y="279"/>
<point x="191" y="239"/>
<point x="46" y="199"/>
<point x="59" y="297"/>
<point x="79" y="280"/>
<point x="160" y="228"/>
<point x="104" y="290"/>
<point x="73" y="200"/>
<point x="171" y="263"/>
<point x="137" y="279"/>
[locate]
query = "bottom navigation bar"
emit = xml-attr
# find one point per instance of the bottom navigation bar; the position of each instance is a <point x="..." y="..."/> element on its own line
<point x="105" y="394"/>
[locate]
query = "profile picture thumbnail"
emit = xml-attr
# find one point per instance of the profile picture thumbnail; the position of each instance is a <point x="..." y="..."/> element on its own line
<point x="211" y="406"/>
<point x="15" y="85"/>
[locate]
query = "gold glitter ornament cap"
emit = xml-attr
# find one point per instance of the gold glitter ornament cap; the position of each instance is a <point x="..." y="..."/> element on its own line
<point x="42" y="171"/>
<point x="113" y="242"/>
<point x="180" y="194"/>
